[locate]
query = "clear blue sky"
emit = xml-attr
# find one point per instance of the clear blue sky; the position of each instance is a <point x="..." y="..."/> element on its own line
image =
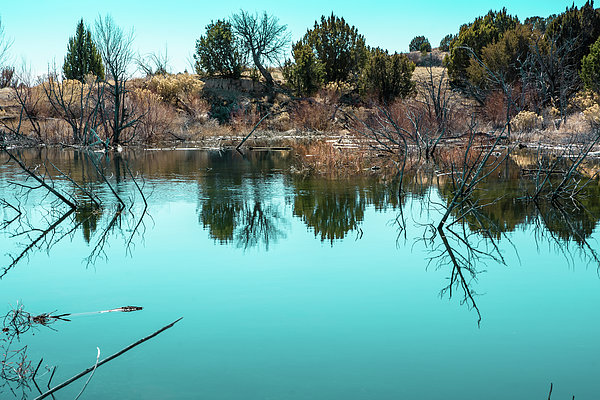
<point x="41" y="28"/>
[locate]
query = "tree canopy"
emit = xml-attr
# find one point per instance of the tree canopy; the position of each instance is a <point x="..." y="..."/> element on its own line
<point x="339" y="47"/>
<point x="387" y="76"/>
<point x="82" y="57"/>
<point x="306" y="74"/>
<point x="590" y="68"/>
<point x="445" y="42"/>
<point x="419" y="43"/>
<point x="576" y="29"/>
<point x="471" y="40"/>
<point x="217" y="52"/>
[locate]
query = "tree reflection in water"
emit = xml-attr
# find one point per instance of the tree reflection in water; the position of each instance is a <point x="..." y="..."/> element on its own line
<point x="331" y="209"/>
<point x="470" y="240"/>
<point x="90" y="179"/>
<point x="240" y="211"/>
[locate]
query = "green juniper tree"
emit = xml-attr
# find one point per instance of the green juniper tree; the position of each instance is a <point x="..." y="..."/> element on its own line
<point x="82" y="56"/>
<point x="590" y="68"/>
<point x="419" y="43"/>
<point x="306" y="74"/>
<point x="387" y="76"/>
<point x="445" y="42"/>
<point x="217" y="52"/>
<point x="339" y="47"/>
<point x="471" y="40"/>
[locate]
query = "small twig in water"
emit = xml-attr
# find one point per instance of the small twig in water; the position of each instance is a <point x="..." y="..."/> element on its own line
<point x="91" y="375"/>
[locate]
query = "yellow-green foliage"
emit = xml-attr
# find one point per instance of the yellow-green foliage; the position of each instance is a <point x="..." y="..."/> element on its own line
<point x="587" y="102"/>
<point x="527" y="121"/>
<point x="57" y="98"/>
<point x="480" y="33"/>
<point x="146" y="97"/>
<point x="341" y="87"/>
<point x="592" y="114"/>
<point x="502" y="57"/>
<point x="173" y="88"/>
<point x="584" y="100"/>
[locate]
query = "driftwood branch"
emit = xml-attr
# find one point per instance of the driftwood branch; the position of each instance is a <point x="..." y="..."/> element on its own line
<point x="252" y="131"/>
<point x="112" y="357"/>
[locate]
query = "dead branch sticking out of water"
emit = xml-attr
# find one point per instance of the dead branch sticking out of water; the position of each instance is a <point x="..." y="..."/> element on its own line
<point x="98" y="364"/>
<point x="40" y="180"/>
<point x="569" y="186"/>
<point x="466" y="179"/>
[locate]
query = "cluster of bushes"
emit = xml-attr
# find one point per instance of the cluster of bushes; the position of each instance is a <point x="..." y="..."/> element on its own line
<point x="535" y="65"/>
<point x="331" y="52"/>
<point x="511" y="69"/>
<point x="334" y="52"/>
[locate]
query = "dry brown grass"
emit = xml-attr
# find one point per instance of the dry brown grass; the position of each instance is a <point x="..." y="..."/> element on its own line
<point x="313" y="116"/>
<point x="159" y="118"/>
<point x="339" y="158"/>
<point x="421" y="74"/>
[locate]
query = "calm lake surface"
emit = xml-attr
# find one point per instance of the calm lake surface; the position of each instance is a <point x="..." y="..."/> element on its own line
<point x="296" y="287"/>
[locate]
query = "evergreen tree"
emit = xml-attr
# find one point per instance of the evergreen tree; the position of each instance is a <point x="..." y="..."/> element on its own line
<point x="590" y="68"/>
<point x="339" y="47"/>
<point x="419" y="43"/>
<point x="306" y="74"/>
<point x="82" y="56"/>
<point x="387" y="76"/>
<point x="445" y="42"/>
<point x="576" y="30"/>
<point x="475" y="36"/>
<point x="217" y="53"/>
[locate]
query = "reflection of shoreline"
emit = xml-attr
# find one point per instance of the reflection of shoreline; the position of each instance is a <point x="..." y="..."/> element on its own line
<point x="331" y="208"/>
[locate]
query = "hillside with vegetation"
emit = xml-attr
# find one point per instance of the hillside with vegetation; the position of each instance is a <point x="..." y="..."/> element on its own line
<point x="532" y="81"/>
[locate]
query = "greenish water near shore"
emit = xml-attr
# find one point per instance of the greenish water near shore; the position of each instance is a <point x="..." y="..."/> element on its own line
<point x="295" y="287"/>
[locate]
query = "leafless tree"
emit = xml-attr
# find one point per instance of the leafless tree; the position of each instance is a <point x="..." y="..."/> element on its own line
<point x="262" y="38"/>
<point x="115" y="48"/>
<point x="5" y="44"/>
<point x="78" y="104"/>
<point x="28" y="99"/>
<point x="155" y="63"/>
<point x="552" y="72"/>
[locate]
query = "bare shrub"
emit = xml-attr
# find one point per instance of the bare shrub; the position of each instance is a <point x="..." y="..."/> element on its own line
<point x="281" y="122"/>
<point x="592" y="114"/>
<point x="244" y="118"/>
<point x="159" y="117"/>
<point x="55" y="131"/>
<point x="494" y="109"/>
<point x="313" y="116"/>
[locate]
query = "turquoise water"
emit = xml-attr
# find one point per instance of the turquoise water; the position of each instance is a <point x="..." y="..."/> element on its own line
<point x="296" y="288"/>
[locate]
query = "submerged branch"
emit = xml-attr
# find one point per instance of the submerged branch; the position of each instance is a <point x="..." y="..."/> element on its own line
<point x="98" y="364"/>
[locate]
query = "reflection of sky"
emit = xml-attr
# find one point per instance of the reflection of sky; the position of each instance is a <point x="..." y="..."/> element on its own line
<point x="361" y="319"/>
<point x="41" y="28"/>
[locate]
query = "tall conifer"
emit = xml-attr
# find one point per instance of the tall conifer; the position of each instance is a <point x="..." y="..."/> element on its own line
<point x="82" y="56"/>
